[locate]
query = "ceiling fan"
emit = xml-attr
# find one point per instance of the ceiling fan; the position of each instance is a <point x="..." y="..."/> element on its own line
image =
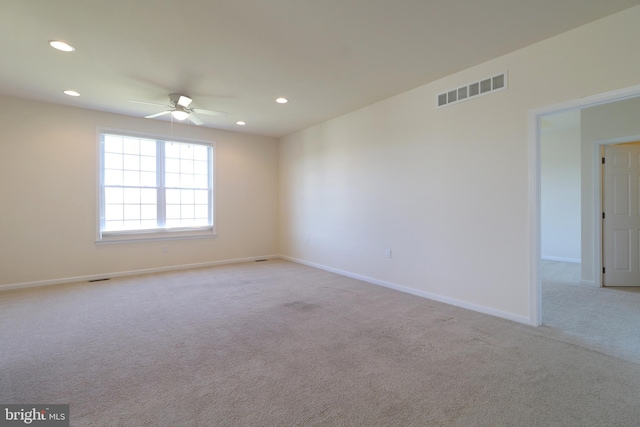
<point x="179" y="109"/>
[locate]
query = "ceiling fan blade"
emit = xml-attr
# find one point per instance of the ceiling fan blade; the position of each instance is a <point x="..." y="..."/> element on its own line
<point x="195" y="119"/>
<point x="148" y="103"/>
<point x="209" y="112"/>
<point x="184" y="101"/>
<point x="153" y="116"/>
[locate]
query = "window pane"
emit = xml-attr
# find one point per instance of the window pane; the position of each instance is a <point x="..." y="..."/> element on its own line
<point x="172" y="180"/>
<point x="200" y="168"/>
<point x="147" y="147"/>
<point x="172" y="150"/>
<point x="132" y="185"/>
<point x="187" y="197"/>
<point x="187" y="211"/>
<point x="131" y="212"/>
<point x="131" y="146"/>
<point x="173" y="223"/>
<point x="200" y="181"/>
<point x="113" y="161"/>
<point x="186" y="181"/>
<point x="186" y="151"/>
<point x="173" y="197"/>
<point x="148" y="196"/>
<point x="201" y="152"/>
<point x="186" y="166"/>
<point x="148" y="179"/>
<point x="131" y="178"/>
<point x="173" y="212"/>
<point x="172" y="165"/>
<point x="148" y="163"/>
<point x="131" y="162"/>
<point x="112" y="212"/>
<point x="148" y="223"/>
<point x="113" y="177"/>
<point x="201" y="221"/>
<point x="201" y="197"/>
<point x="148" y="212"/>
<point x="112" y="144"/>
<point x="132" y="225"/>
<point x="113" y="225"/>
<point x="132" y="195"/>
<point x="113" y="195"/>
<point x="202" y="212"/>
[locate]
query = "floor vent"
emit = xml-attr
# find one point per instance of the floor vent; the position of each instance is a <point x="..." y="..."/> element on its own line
<point x="473" y="90"/>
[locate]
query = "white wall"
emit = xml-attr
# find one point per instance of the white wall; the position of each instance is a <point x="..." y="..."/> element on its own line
<point x="48" y="196"/>
<point x="446" y="189"/>
<point x="560" y="194"/>
<point x="610" y="121"/>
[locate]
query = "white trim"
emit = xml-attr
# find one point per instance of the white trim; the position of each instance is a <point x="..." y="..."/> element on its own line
<point x="587" y="283"/>
<point x="416" y="292"/>
<point x="598" y="208"/>
<point x="103" y="276"/>
<point x="154" y="234"/>
<point x="535" y="239"/>
<point x="156" y="136"/>
<point x="560" y="259"/>
<point x="535" y="287"/>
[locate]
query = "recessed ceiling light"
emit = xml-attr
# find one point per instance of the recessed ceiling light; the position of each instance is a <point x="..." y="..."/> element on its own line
<point x="57" y="44"/>
<point x="282" y="100"/>
<point x="71" y="93"/>
<point x="241" y="123"/>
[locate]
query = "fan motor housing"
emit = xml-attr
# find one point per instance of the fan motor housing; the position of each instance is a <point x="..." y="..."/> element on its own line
<point x="174" y="98"/>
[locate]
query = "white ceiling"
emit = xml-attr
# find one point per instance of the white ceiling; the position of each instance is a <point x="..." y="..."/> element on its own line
<point x="328" y="57"/>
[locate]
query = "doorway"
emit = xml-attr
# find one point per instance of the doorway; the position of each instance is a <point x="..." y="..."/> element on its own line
<point x="620" y="201"/>
<point x="576" y="306"/>
<point x="591" y="245"/>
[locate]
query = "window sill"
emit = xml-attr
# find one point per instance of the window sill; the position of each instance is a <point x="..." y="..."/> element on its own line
<point x="138" y="236"/>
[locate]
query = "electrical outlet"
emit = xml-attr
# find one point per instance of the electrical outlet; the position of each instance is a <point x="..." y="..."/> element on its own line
<point x="164" y="249"/>
<point x="388" y="253"/>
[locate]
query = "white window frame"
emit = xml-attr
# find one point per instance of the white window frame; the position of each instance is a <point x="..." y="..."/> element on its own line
<point x="163" y="233"/>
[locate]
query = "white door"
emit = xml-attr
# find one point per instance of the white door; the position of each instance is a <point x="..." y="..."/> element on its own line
<point x="621" y="216"/>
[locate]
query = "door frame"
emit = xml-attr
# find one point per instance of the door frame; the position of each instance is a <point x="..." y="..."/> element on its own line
<point x="598" y="193"/>
<point x="535" y="119"/>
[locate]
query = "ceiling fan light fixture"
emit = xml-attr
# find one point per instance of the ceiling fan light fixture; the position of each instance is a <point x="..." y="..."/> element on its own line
<point x="282" y="100"/>
<point x="179" y="114"/>
<point x="57" y="44"/>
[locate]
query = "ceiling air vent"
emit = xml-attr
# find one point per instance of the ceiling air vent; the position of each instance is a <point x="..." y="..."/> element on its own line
<point x="473" y="90"/>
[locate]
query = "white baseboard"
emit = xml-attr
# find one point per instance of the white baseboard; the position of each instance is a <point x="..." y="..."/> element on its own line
<point x="417" y="292"/>
<point x="555" y="258"/>
<point x="130" y="273"/>
<point x="588" y="282"/>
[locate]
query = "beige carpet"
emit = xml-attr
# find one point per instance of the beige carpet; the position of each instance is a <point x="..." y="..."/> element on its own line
<point x="279" y="344"/>
<point x="603" y="319"/>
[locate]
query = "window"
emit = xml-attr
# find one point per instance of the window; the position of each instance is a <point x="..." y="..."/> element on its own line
<point x="151" y="188"/>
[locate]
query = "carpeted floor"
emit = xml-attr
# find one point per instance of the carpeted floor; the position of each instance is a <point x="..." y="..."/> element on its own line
<point x="280" y="344"/>
<point x="603" y="319"/>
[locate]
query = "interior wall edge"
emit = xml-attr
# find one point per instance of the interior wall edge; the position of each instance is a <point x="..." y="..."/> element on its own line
<point x="427" y="295"/>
